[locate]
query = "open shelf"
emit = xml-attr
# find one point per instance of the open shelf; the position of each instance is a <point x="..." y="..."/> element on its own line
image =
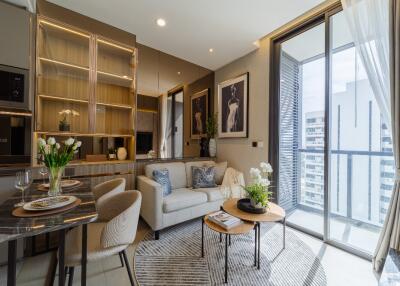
<point x="119" y="106"/>
<point x="57" y="98"/>
<point x="74" y="134"/>
<point x="63" y="64"/>
<point x="114" y="79"/>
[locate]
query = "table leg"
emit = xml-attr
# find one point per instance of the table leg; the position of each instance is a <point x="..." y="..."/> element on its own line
<point x="229" y="240"/>
<point x="61" y="258"/>
<point x="259" y="244"/>
<point x="284" y="232"/>
<point x="220" y="237"/>
<point x="12" y="263"/>
<point x="84" y="254"/>
<point x="202" y="237"/>
<point x="226" y="258"/>
<point x="255" y="245"/>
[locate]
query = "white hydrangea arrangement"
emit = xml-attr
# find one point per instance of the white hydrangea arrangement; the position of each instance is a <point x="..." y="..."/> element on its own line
<point x="258" y="190"/>
<point x="55" y="157"/>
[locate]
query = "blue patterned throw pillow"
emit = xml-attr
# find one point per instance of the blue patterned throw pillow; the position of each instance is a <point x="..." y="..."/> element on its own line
<point x="203" y="177"/>
<point x="162" y="177"/>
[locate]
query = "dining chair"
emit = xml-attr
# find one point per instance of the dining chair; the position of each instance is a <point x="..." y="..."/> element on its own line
<point x="109" y="237"/>
<point x="107" y="189"/>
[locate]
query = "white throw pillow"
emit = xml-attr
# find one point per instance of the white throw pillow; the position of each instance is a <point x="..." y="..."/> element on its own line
<point x="220" y="169"/>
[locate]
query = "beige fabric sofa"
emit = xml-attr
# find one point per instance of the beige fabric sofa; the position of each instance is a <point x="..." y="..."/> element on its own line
<point x="184" y="203"/>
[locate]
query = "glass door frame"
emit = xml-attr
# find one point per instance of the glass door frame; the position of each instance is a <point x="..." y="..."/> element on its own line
<point x="276" y="47"/>
<point x="172" y="93"/>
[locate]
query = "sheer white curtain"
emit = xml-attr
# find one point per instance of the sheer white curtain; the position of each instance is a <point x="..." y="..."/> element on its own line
<point x="368" y="21"/>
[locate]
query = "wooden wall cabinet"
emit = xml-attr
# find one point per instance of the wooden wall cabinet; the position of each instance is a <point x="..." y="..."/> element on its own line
<point x="86" y="78"/>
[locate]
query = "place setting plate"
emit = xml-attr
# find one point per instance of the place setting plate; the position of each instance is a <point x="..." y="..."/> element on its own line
<point x="64" y="184"/>
<point x="47" y="206"/>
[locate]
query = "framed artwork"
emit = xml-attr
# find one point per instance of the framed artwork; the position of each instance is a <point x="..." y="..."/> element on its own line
<point x="198" y="114"/>
<point x="233" y="105"/>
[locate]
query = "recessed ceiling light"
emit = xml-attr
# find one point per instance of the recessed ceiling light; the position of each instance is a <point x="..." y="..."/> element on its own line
<point x="211" y="50"/>
<point x="161" y="22"/>
<point x="256" y="43"/>
<point x="178" y="72"/>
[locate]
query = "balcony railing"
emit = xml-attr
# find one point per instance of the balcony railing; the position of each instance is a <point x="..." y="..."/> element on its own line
<point x="356" y="169"/>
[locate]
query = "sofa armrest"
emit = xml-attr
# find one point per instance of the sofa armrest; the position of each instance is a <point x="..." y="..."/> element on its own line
<point x="152" y="201"/>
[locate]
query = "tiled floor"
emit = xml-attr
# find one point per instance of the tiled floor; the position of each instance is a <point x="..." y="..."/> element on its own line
<point x="341" y="268"/>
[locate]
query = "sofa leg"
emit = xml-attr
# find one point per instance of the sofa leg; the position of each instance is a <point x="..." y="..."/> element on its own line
<point x="157" y="235"/>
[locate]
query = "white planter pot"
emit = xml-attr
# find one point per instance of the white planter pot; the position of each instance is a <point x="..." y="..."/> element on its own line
<point x="212" y="147"/>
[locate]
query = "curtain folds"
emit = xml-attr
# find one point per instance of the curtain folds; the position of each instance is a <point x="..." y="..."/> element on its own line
<point x="390" y="235"/>
<point x="375" y="27"/>
<point x="368" y="23"/>
<point x="163" y="129"/>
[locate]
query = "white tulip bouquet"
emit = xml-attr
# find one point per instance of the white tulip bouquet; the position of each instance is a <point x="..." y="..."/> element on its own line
<point x="55" y="157"/>
<point x="258" y="190"/>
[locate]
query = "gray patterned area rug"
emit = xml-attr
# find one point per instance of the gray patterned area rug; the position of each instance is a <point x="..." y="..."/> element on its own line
<point x="175" y="259"/>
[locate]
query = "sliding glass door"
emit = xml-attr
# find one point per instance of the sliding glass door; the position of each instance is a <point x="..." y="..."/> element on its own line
<point x="302" y="121"/>
<point x="334" y="154"/>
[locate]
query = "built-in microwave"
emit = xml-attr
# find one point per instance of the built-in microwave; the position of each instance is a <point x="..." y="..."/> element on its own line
<point x="14" y="87"/>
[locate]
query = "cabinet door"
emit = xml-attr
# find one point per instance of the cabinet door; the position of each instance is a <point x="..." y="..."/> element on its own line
<point x="63" y="78"/>
<point x="114" y="88"/>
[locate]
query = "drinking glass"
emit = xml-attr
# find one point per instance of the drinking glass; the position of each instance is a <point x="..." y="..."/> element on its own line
<point x="226" y="192"/>
<point x="23" y="180"/>
<point x="43" y="172"/>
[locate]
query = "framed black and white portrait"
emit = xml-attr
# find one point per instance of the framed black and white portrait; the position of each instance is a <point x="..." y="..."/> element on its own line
<point x="233" y="100"/>
<point x="198" y="114"/>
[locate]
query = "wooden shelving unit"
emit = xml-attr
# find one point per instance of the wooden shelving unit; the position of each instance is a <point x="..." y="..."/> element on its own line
<point x="88" y="74"/>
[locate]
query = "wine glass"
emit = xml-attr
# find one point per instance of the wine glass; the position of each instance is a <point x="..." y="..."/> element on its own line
<point x="23" y="180"/>
<point x="43" y="172"/>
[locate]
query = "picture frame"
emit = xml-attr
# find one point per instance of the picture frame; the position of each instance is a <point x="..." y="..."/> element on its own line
<point x="198" y="114"/>
<point x="233" y="107"/>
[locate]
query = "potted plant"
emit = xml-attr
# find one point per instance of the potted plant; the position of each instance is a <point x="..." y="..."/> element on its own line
<point x="55" y="157"/>
<point x="258" y="191"/>
<point x="211" y="130"/>
<point x="63" y="124"/>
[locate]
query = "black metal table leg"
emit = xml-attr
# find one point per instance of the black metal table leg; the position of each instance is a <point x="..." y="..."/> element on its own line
<point x="84" y="254"/>
<point x="284" y="232"/>
<point x="220" y="237"/>
<point x="259" y="244"/>
<point x="226" y="258"/>
<point x="255" y="245"/>
<point x="229" y="240"/>
<point x="61" y="258"/>
<point x="202" y="237"/>
<point x="12" y="263"/>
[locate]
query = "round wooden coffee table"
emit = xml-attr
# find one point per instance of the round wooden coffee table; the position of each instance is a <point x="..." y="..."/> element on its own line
<point x="245" y="227"/>
<point x="274" y="214"/>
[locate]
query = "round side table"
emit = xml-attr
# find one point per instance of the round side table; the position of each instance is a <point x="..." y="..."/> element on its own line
<point x="243" y="228"/>
<point x="274" y="214"/>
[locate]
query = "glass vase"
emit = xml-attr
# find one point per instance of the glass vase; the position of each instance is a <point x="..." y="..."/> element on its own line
<point x="55" y="176"/>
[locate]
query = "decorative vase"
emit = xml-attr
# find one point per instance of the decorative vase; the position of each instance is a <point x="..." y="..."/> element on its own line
<point x="63" y="126"/>
<point x="204" y="147"/>
<point x="212" y="147"/>
<point x="55" y="177"/>
<point x="122" y="153"/>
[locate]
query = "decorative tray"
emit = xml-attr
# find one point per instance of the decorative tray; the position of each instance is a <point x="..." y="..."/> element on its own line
<point x="245" y="205"/>
<point x="49" y="203"/>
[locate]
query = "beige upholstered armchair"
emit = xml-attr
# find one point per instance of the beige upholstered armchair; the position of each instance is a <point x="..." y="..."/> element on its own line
<point x="119" y="215"/>
<point x="107" y="189"/>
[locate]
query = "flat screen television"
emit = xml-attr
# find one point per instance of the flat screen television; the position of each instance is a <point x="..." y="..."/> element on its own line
<point x="144" y="142"/>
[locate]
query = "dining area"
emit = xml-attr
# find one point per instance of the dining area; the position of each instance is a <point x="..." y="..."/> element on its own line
<point x="90" y="222"/>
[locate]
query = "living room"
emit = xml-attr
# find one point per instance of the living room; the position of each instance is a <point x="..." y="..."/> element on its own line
<point x="199" y="142"/>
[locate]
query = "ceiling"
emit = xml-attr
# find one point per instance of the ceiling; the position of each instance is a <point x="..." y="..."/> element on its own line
<point x="229" y="27"/>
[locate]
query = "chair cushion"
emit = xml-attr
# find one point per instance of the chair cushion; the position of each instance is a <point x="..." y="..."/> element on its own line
<point x="183" y="198"/>
<point x="203" y="177"/>
<point x="189" y="165"/>
<point x="162" y="177"/>
<point x="213" y="194"/>
<point x="73" y="245"/>
<point x="177" y="173"/>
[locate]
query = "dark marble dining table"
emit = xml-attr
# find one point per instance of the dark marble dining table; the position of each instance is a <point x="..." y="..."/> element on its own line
<point x="13" y="228"/>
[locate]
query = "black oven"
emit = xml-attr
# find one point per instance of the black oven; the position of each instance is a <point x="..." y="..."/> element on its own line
<point x="14" y="87"/>
<point x="15" y="139"/>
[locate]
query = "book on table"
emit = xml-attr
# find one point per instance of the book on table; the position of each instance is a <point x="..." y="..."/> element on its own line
<point x="224" y="219"/>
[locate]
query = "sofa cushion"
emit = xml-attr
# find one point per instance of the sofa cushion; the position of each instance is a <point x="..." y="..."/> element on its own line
<point x="189" y="166"/>
<point x="177" y="173"/>
<point x="220" y="169"/>
<point x="213" y="194"/>
<point x="162" y="177"/>
<point x="203" y="177"/>
<point x="183" y="198"/>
